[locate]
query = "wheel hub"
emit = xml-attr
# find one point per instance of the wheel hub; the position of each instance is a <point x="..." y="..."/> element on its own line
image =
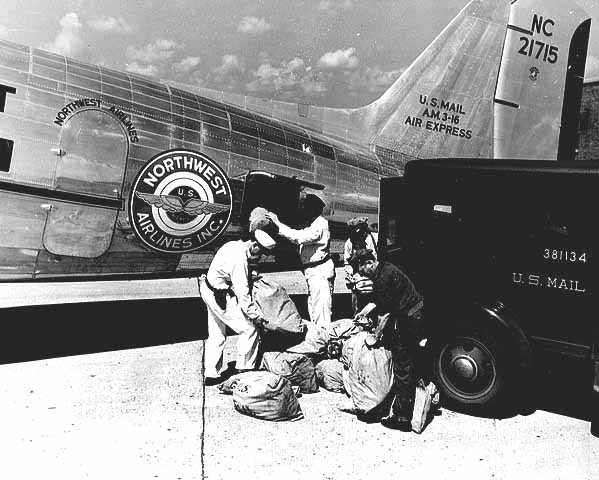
<point x="465" y="367"/>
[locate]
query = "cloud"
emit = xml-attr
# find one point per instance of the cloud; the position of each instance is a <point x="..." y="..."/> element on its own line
<point x="160" y="50"/>
<point x="254" y="26"/>
<point x="148" y="70"/>
<point x="288" y="76"/>
<point x="230" y="64"/>
<point x="592" y="68"/>
<point x="106" y="24"/>
<point x="333" y="6"/>
<point x="68" y="41"/>
<point x="340" y="59"/>
<point x="186" y="64"/>
<point x="377" y="80"/>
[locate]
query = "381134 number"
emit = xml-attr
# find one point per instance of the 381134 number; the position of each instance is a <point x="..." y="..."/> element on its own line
<point x="564" y="255"/>
<point x="538" y="50"/>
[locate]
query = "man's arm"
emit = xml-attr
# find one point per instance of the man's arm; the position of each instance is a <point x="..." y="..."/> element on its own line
<point x="306" y="235"/>
<point x="239" y="281"/>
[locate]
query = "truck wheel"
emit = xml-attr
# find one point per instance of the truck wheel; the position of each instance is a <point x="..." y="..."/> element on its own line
<point x="470" y="368"/>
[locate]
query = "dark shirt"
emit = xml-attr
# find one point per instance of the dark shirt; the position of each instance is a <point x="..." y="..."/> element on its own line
<point x="395" y="293"/>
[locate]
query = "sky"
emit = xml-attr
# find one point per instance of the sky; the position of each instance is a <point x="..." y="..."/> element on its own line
<point x="338" y="53"/>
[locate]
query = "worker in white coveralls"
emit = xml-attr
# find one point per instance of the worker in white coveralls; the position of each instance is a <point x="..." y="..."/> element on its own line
<point x="317" y="265"/>
<point x="227" y="294"/>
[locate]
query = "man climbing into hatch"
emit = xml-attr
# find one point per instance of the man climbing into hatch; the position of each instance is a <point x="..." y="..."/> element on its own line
<point x="317" y="265"/>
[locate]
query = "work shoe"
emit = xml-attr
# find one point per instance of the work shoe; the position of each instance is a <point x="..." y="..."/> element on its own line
<point x="212" y="381"/>
<point x="368" y="417"/>
<point x="395" y="423"/>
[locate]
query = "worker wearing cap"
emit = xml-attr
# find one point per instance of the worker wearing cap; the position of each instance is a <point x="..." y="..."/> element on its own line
<point x="317" y="265"/>
<point x="360" y="237"/>
<point x="227" y="294"/>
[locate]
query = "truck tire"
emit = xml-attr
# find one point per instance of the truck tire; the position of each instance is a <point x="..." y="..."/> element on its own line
<point x="472" y="368"/>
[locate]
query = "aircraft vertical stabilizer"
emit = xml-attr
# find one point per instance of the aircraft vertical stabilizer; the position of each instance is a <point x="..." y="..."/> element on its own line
<point x="496" y="82"/>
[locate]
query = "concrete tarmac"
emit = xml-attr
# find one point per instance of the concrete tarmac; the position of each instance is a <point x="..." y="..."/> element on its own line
<point x="143" y="414"/>
<point x="119" y="408"/>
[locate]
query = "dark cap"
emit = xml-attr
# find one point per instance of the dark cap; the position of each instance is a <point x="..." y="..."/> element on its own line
<point x="363" y="255"/>
<point x="313" y="202"/>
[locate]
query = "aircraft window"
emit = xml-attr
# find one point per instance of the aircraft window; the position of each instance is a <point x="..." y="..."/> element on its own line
<point x="147" y="86"/>
<point x="345" y="156"/>
<point x="84" y="82"/>
<point x="115" y="78"/>
<point x="300" y="161"/>
<point x="14" y="46"/>
<point x="244" y="125"/>
<point x="55" y="63"/>
<point x="217" y="112"/>
<point x="322" y="150"/>
<point x="210" y="103"/>
<point x="82" y="72"/>
<point x="221" y="122"/>
<point x="116" y="94"/>
<point x="5" y="154"/>
<point x="13" y="59"/>
<point x="272" y="134"/>
<point x="297" y="142"/>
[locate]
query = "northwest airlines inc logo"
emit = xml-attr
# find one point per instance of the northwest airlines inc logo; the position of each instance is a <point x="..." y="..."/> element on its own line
<point x="180" y="201"/>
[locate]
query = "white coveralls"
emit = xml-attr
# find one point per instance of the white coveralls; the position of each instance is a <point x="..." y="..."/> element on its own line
<point x="229" y="269"/>
<point x="319" y="269"/>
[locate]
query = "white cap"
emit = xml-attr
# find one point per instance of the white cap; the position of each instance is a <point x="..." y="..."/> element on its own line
<point x="264" y="239"/>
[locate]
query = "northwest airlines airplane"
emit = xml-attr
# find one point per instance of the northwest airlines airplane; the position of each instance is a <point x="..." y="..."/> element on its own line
<point x="109" y="176"/>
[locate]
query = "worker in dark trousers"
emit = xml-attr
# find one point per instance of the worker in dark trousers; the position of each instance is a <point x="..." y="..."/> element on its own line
<point x="399" y="328"/>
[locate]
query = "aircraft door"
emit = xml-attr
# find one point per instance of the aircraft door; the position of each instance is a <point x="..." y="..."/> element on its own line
<point x="93" y="156"/>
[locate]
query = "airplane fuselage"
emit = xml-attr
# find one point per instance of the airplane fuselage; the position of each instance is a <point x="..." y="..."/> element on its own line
<point x="76" y="136"/>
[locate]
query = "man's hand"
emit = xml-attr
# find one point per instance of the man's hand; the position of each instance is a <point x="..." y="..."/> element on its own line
<point x="260" y="322"/>
<point x="371" y="341"/>
<point x="362" y="321"/>
<point x="273" y="217"/>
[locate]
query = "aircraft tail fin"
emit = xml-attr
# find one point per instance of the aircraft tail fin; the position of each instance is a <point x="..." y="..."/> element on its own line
<point x="503" y="79"/>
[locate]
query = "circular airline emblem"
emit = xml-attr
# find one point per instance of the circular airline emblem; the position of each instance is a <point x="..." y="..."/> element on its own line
<point x="180" y="201"/>
<point x="533" y="73"/>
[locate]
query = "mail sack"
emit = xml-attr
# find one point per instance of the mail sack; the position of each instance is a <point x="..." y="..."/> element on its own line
<point x="342" y="329"/>
<point x="329" y="375"/>
<point x="229" y="384"/>
<point x="369" y="375"/>
<point x="314" y="341"/>
<point x="277" y="307"/>
<point x="295" y="367"/>
<point x="258" y="219"/>
<point x="266" y="396"/>
<point x="425" y="402"/>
